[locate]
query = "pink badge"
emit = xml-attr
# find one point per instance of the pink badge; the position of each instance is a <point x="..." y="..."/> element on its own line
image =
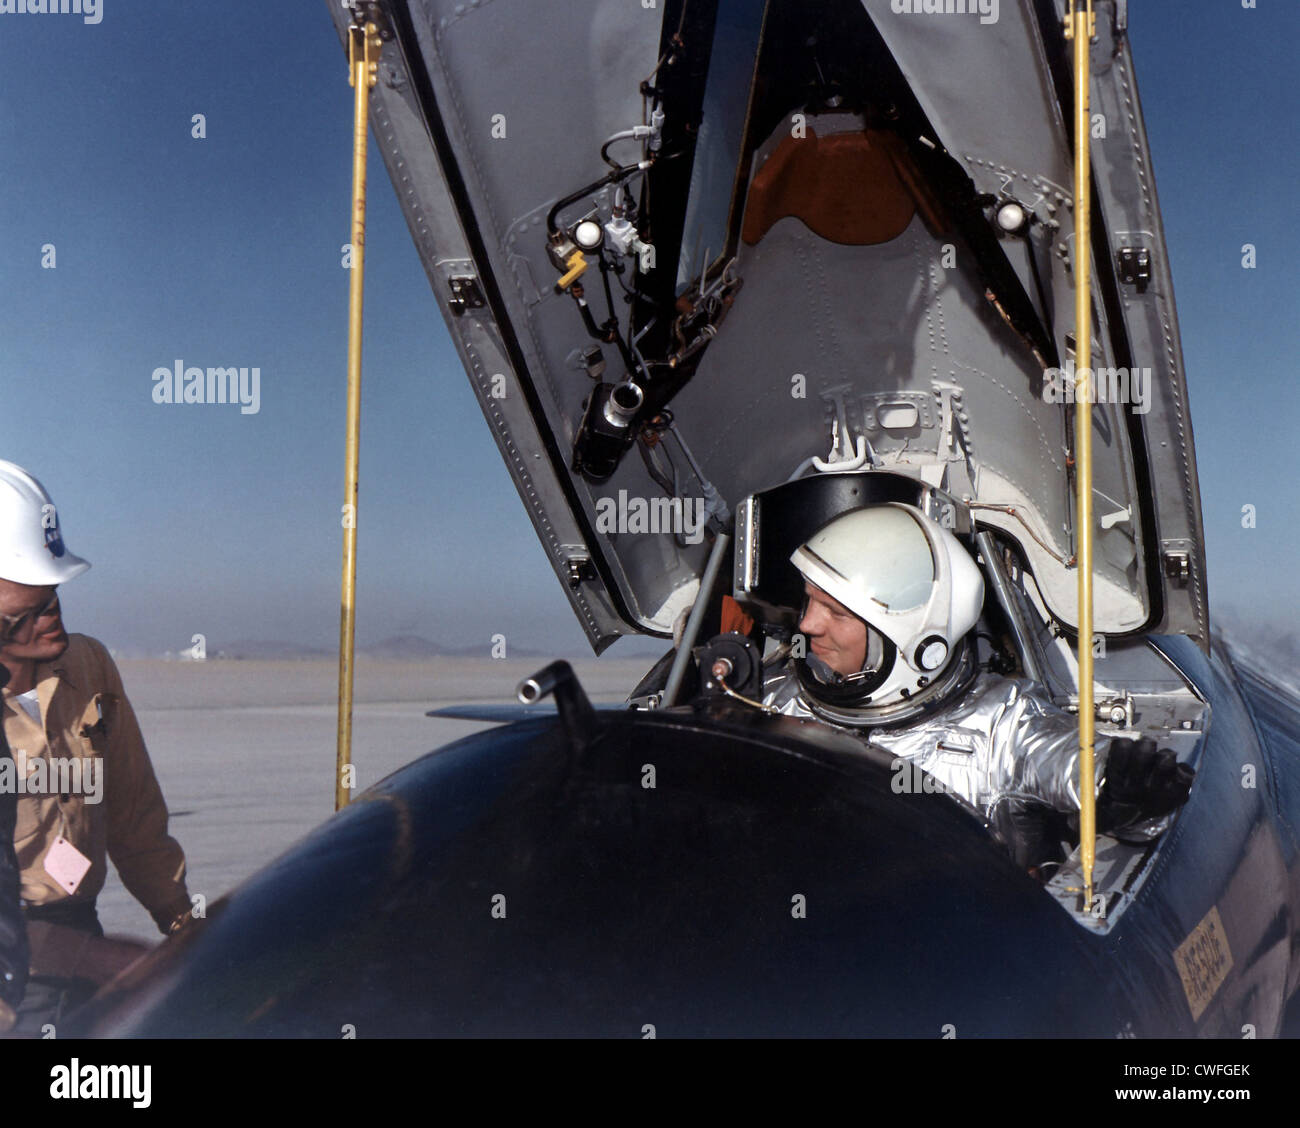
<point x="66" y="864"/>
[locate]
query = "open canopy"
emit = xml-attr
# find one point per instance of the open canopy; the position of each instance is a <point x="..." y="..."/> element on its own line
<point x="841" y="232"/>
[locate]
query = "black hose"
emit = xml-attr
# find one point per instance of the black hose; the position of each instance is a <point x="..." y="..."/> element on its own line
<point x="618" y="174"/>
<point x="607" y="333"/>
<point x="609" y="293"/>
<point x="604" y="149"/>
<point x="601" y="334"/>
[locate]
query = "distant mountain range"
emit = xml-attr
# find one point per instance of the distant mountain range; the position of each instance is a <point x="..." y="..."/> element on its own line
<point x="416" y="646"/>
<point x="398" y="648"/>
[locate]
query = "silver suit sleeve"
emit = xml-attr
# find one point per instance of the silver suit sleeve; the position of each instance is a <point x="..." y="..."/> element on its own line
<point x="1002" y="739"/>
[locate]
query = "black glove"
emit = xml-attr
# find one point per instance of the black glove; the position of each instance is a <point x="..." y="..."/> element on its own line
<point x="1142" y="782"/>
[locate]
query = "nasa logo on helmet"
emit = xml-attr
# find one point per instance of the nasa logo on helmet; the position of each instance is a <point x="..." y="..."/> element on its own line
<point x="32" y="549"/>
<point x="53" y="538"/>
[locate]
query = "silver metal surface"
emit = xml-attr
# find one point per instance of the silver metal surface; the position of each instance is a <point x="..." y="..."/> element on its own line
<point x="1026" y="647"/>
<point x="903" y="322"/>
<point x="1002" y="739"/>
<point x="696" y="617"/>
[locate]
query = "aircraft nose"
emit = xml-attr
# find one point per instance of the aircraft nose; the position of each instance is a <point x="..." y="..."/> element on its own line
<point x="710" y="881"/>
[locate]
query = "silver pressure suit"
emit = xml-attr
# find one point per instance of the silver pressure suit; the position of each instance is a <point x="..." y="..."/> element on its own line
<point x="1003" y="739"/>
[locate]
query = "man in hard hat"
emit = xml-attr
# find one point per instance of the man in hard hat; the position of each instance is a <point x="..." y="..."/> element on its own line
<point x="86" y="787"/>
<point x="891" y="600"/>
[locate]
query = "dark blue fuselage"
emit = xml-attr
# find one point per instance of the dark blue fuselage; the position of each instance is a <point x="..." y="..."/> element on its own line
<point x="721" y="873"/>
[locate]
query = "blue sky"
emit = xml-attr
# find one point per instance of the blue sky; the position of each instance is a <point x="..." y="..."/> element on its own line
<point x="226" y="251"/>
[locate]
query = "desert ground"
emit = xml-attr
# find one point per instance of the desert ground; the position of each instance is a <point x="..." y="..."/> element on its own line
<point x="245" y="750"/>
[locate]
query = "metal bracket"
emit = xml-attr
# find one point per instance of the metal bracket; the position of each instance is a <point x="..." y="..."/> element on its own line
<point x="1178" y="567"/>
<point x="1135" y="267"/>
<point x="369" y="11"/>
<point x="367" y="33"/>
<point x="845" y="454"/>
<point x="1069" y="20"/>
<point x="745" y="571"/>
<point x="579" y="569"/>
<point x="1112" y="710"/>
<point x="1110" y="520"/>
<point x="465" y="293"/>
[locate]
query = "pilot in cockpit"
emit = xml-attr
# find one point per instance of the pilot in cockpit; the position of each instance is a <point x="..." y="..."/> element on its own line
<point x="891" y="602"/>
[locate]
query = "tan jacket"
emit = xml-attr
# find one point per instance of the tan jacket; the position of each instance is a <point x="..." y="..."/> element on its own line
<point x="86" y="714"/>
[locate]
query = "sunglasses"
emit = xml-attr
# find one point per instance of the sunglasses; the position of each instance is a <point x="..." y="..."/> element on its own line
<point x="10" y="625"/>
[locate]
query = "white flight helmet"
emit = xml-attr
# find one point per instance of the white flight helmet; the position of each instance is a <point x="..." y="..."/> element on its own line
<point x="31" y="547"/>
<point x="919" y="592"/>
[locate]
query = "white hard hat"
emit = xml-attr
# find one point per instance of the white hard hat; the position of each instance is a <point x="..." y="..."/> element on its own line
<point x="905" y="576"/>
<point x="31" y="545"/>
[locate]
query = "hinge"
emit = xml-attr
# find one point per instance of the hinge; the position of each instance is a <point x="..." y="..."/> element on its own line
<point x="1134" y="267"/>
<point x="465" y="293"/>
<point x="579" y="569"/>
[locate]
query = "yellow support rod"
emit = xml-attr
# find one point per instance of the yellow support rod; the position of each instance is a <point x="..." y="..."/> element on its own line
<point x="363" y="68"/>
<point x="1079" y="29"/>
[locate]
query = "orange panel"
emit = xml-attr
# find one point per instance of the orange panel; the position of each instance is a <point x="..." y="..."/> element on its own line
<point x="845" y="188"/>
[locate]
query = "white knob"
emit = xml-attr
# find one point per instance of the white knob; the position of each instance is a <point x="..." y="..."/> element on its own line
<point x="1011" y="217"/>
<point x="588" y="235"/>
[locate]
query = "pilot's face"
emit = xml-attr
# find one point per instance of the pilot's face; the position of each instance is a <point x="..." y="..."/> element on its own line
<point x="836" y="635"/>
<point x="38" y="634"/>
